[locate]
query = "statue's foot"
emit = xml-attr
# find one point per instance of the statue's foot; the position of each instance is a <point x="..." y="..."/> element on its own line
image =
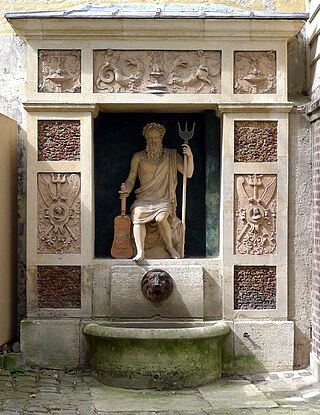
<point x="138" y="257"/>
<point x="173" y="252"/>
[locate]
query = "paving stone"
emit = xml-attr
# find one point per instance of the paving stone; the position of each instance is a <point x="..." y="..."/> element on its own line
<point x="114" y="399"/>
<point x="305" y="373"/>
<point x="244" y="395"/>
<point x="289" y="375"/>
<point x="35" y="409"/>
<point x="273" y="376"/>
<point x="81" y="394"/>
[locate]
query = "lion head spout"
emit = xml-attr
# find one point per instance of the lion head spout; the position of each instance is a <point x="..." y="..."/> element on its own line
<point x="156" y="285"/>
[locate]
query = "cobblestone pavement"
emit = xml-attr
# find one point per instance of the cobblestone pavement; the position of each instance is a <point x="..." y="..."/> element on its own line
<point x="37" y="391"/>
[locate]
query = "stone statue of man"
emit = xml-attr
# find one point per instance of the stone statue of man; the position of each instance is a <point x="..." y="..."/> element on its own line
<point x="156" y="168"/>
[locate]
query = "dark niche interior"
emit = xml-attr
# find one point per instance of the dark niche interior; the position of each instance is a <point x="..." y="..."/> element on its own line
<point x="117" y="136"/>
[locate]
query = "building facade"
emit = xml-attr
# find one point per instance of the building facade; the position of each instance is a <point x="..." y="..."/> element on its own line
<point x="69" y="76"/>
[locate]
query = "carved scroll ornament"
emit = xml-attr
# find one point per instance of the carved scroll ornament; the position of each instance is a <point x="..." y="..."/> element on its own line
<point x="59" y="71"/>
<point x="255" y="216"/>
<point x="157" y="71"/>
<point x="58" y="213"/>
<point x="255" y="72"/>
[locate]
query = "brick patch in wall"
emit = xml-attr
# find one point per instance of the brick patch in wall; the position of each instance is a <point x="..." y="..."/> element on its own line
<point x="255" y="141"/>
<point x="58" y="140"/>
<point x="254" y="287"/>
<point x="316" y="232"/>
<point x="59" y="286"/>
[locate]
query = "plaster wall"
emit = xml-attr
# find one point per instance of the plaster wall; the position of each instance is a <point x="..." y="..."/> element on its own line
<point x="8" y="245"/>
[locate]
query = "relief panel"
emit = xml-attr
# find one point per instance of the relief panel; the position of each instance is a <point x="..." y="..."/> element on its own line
<point x="254" y="287"/>
<point x="255" y="141"/>
<point x="255" y="72"/>
<point x="59" y="286"/>
<point x="255" y="214"/>
<point x="58" y="140"/>
<point x="59" y="71"/>
<point x="59" y="213"/>
<point x="181" y="72"/>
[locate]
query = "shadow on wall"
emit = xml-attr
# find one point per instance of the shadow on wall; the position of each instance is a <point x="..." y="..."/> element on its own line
<point x="244" y="361"/>
<point x="8" y="228"/>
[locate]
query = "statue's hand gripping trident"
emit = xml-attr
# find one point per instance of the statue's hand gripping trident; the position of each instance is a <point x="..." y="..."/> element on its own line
<point x="185" y="136"/>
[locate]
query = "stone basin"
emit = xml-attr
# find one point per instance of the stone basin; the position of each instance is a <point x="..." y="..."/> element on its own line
<point x="162" y="355"/>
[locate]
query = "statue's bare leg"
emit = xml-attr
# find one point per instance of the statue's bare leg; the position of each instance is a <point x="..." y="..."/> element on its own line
<point x="139" y="233"/>
<point x="165" y="232"/>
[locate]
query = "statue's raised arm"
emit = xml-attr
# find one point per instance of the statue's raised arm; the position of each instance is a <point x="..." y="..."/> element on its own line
<point x="157" y="231"/>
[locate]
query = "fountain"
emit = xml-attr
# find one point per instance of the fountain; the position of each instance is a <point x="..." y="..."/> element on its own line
<point x="157" y="353"/>
<point x="162" y="355"/>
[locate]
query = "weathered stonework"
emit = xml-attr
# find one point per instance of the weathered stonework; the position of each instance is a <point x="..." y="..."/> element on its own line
<point x="59" y="213"/>
<point x="59" y="287"/>
<point x="255" y="215"/>
<point x="150" y="71"/>
<point x="255" y="72"/>
<point x="255" y="141"/>
<point x="100" y="298"/>
<point x="254" y="288"/>
<point x="58" y="140"/>
<point x="59" y="71"/>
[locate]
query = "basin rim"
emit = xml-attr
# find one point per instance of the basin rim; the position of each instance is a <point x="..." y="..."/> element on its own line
<point x="217" y="329"/>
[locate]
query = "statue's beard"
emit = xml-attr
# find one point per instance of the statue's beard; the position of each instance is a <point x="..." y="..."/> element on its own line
<point x="154" y="151"/>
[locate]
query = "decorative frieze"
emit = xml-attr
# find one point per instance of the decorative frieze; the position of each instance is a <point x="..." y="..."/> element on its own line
<point x="255" y="141"/>
<point x="58" y="140"/>
<point x="59" y="71"/>
<point x="255" y="215"/>
<point x="59" y="286"/>
<point x="255" y="72"/>
<point x="254" y="287"/>
<point x="181" y="72"/>
<point x="59" y="213"/>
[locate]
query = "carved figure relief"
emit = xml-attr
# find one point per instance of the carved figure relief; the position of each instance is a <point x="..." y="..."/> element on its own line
<point x="255" y="216"/>
<point x="59" y="71"/>
<point x="255" y="72"/>
<point x="181" y="72"/>
<point x="255" y="141"/>
<point x="58" y="213"/>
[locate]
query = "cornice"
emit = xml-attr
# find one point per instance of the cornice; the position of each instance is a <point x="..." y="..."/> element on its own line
<point x="228" y="28"/>
<point x="59" y="107"/>
<point x="255" y="108"/>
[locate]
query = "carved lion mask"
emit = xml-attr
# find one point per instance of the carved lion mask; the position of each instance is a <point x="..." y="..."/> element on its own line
<point x="156" y="285"/>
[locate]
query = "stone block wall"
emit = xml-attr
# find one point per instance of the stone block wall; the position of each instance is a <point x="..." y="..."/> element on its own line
<point x="316" y="256"/>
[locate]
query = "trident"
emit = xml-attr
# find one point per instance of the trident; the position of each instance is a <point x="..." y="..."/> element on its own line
<point x="185" y="136"/>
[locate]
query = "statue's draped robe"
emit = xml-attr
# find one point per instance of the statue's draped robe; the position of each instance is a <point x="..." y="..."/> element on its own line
<point x="159" y="195"/>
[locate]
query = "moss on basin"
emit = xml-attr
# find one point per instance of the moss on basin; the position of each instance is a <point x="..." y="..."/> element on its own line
<point x="162" y="358"/>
